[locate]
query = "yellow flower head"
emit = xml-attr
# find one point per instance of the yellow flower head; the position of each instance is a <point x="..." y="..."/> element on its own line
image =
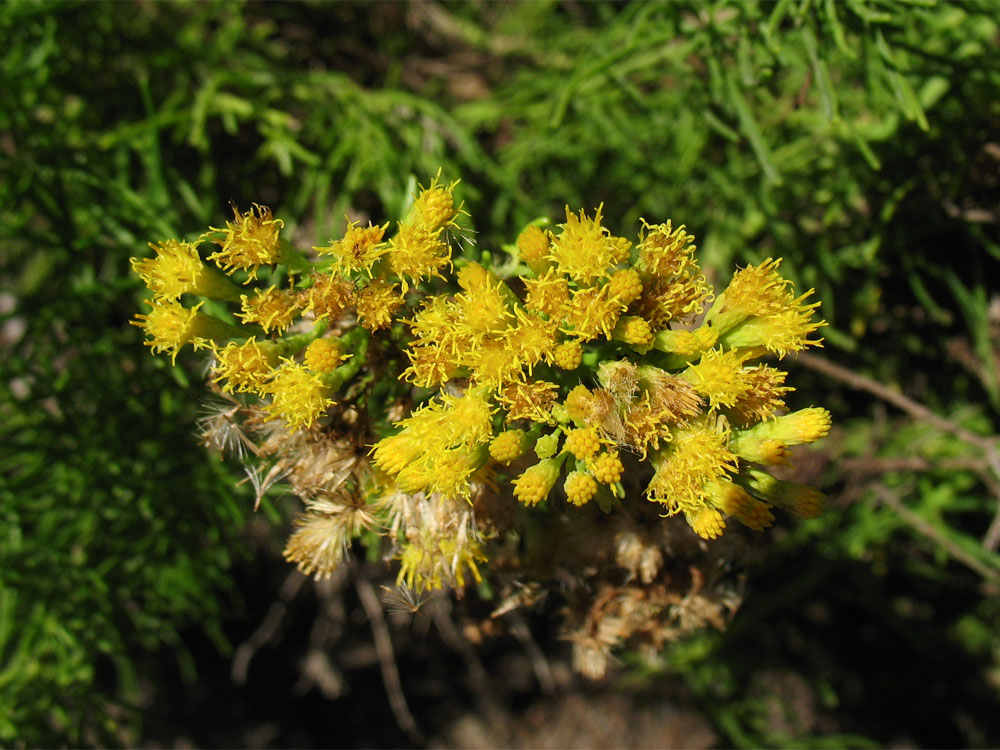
<point x="583" y="443"/>
<point x="532" y="339"/>
<point x="625" y="286"/>
<point x="548" y="294"/>
<point x="430" y="560"/>
<point x="250" y="241"/>
<point x="802" y="426"/>
<point x="666" y="252"/>
<point x="734" y="501"/>
<point x="580" y="487"/>
<point x="568" y="355"/>
<point x="780" y="333"/>
<point x="272" y="309"/>
<point x="298" y="395"/>
<point x="509" y="446"/>
<point x="585" y="250"/>
<point x="324" y="355"/>
<point x="698" y="454"/>
<point x="532" y="400"/>
<point x="533" y="247"/>
<point x="245" y="367"/>
<point x="765" y="395"/>
<point x="607" y="467"/>
<point x="435" y="207"/>
<point x="535" y="483"/>
<point x="706" y="522"/>
<point x="178" y="269"/>
<point x="686" y="343"/>
<point x="803" y="501"/>
<point x="328" y="297"/>
<point x="487" y="308"/>
<point x="417" y="252"/>
<point x="759" y="309"/>
<point x="592" y="312"/>
<point x="720" y="377"/>
<point x="438" y="447"/>
<point x="376" y="304"/>
<point x="633" y="330"/>
<point x="447" y="471"/>
<point x="170" y="326"/>
<point x="358" y="250"/>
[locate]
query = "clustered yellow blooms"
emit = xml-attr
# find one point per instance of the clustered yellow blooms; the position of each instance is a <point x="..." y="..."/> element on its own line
<point x="590" y="369"/>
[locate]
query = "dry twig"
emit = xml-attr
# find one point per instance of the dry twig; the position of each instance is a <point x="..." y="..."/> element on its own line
<point x="386" y="659"/>
<point x="987" y="443"/>
<point x="267" y="629"/>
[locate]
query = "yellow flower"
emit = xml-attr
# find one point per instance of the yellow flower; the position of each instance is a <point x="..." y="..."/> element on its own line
<point x="591" y="313"/>
<point x="358" y="250"/>
<point x="323" y="355"/>
<point x="720" y="377"/>
<point x="548" y="294"/>
<point x="686" y="343"/>
<point x="568" y="355"/>
<point x="533" y="246"/>
<point x="440" y="446"/>
<point x="666" y="252"/>
<point x="376" y="304"/>
<point x="625" y="286"/>
<point x="245" y="367"/>
<point x="170" y="326"/>
<point x="803" y="501"/>
<point x="532" y="400"/>
<point x="178" y="269"/>
<point x="585" y="250"/>
<point x="535" y="483"/>
<point x="706" y="522"/>
<point x="802" y="426"/>
<point x="698" y="454"/>
<point x="583" y="443"/>
<point x="417" y="252"/>
<point x="272" y="309"/>
<point x="734" y="501"/>
<point x="429" y="560"/>
<point x="759" y="309"/>
<point x="634" y="331"/>
<point x="764" y="396"/>
<point x="298" y="395"/>
<point x="607" y="467"/>
<point x="249" y="241"/>
<point x="509" y="446"/>
<point x="580" y="487"/>
<point x="435" y="206"/>
<point x="328" y="297"/>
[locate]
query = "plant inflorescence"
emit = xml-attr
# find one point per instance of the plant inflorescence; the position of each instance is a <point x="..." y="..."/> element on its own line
<point x="537" y="414"/>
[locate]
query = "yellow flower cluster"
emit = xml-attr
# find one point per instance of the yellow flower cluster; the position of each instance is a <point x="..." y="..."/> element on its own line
<point x="608" y="363"/>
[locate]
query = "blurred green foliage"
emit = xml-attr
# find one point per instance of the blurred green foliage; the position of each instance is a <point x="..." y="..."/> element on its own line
<point x="855" y="139"/>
